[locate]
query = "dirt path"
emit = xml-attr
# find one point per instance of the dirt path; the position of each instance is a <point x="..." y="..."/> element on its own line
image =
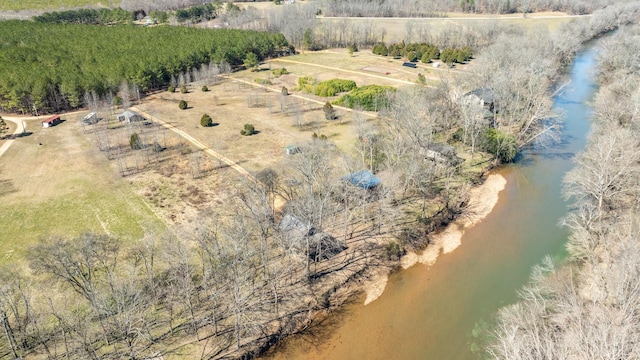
<point x="279" y="201"/>
<point x="199" y="145"/>
<point x="19" y="129"/>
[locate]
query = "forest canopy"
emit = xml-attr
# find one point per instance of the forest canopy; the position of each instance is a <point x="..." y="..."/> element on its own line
<point x="51" y="66"/>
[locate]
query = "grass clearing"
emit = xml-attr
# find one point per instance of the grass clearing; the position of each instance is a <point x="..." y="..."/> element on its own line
<point x="396" y="28"/>
<point x="55" y="182"/>
<point x="363" y="67"/>
<point x="53" y="4"/>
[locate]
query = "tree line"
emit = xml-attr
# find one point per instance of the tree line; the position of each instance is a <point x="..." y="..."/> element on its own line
<point x="423" y="52"/>
<point x="48" y="67"/>
<point x="588" y="306"/>
<point x="101" y="16"/>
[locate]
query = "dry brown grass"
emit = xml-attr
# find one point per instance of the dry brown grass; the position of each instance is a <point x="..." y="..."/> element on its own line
<point x="395" y="27"/>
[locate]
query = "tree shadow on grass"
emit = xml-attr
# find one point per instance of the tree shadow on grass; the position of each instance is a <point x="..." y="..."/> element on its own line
<point x="7" y="187"/>
<point x="16" y="136"/>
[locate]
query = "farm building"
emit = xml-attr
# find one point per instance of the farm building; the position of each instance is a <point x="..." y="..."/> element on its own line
<point x="51" y="121"/>
<point x="130" y="116"/>
<point x="91" y="118"/>
<point x="363" y="179"/>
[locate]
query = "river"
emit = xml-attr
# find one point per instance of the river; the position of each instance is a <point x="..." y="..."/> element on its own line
<point x="431" y="312"/>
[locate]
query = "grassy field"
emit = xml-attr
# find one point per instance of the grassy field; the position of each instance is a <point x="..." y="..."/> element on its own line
<point x="55" y="182"/>
<point x="363" y="67"/>
<point x="52" y="4"/>
<point x="396" y="28"/>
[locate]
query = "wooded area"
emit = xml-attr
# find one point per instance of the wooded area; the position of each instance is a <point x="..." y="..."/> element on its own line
<point x="49" y="67"/>
<point x="588" y="307"/>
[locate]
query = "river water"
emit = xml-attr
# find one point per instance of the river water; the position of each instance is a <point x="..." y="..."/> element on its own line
<point x="431" y="312"/>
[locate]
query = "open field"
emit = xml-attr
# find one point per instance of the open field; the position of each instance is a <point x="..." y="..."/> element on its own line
<point x="55" y="182"/>
<point x="363" y="67"/>
<point x="52" y="4"/>
<point x="396" y="28"/>
<point x="275" y="128"/>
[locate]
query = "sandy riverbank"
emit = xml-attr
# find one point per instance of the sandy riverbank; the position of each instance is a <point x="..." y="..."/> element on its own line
<point x="482" y="200"/>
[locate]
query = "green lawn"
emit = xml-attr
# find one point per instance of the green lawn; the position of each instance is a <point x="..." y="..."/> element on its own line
<point x="55" y="182"/>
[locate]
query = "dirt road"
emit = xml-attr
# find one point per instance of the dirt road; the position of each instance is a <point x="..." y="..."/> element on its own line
<point x="199" y="145"/>
<point x="20" y="128"/>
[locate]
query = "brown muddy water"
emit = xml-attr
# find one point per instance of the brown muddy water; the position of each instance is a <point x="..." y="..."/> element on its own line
<point x="438" y="311"/>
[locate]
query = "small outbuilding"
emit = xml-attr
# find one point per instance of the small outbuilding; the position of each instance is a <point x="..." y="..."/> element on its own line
<point x="442" y="154"/>
<point x="91" y="118"/>
<point x="363" y="179"/>
<point x="295" y="227"/>
<point x="130" y="116"/>
<point x="305" y="237"/>
<point x="291" y="149"/>
<point x="51" y="121"/>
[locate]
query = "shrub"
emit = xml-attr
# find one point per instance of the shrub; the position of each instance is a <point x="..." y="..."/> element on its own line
<point x="206" y="121"/>
<point x="412" y="56"/>
<point x="263" y="81"/>
<point x="458" y="135"/>
<point x="334" y="86"/>
<point x="251" y="61"/>
<point x="248" y="130"/>
<point x="502" y="145"/>
<point x="280" y="71"/>
<point x="205" y="88"/>
<point x="171" y="89"/>
<point x="284" y="91"/>
<point x="369" y="97"/>
<point x="352" y="48"/>
<point x="117" y="101"/>
<point x="380" y="49"/>
<point x="157" y="147"/>
<point x="329" y="112"/>
<point x="183" y="105"/>
<point x="422" y="80"/>
<point x="183" y="89"/>
<point x="306" y="83"/>
<point x="394" y="251"/>
<point x="134" y="142"/>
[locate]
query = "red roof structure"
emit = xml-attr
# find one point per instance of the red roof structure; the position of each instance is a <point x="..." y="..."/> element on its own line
<point x="52" y="119"/>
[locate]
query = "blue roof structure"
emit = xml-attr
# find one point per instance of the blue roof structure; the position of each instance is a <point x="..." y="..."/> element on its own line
<point x="363" y="179"/>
